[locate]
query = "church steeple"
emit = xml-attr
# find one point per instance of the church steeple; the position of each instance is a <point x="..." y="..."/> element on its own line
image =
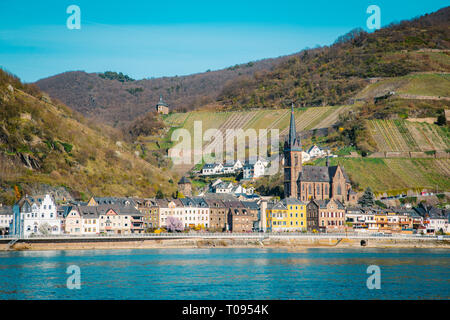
<point x="292" y="160"/>
<point x="293" y="142"/>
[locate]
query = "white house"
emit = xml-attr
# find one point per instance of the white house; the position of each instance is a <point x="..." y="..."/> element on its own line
<point x="6" y="219"/>
<point x="192" y="212"/>
<point x="228" y="169"/>
<point x="215" y="183"/>
<point x="315" y="152"/>
<point x="237" y="165"/>
<point x="258" y="169"/>
<point x="224" y="187"/>
<point x="305" y="157"/>
<point x="39" y="216"/>
<point x="362" y="221"/>
<point x="212" y="169"/>
<point x="435" y="223"/>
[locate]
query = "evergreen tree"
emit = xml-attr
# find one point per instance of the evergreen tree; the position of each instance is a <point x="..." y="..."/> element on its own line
<point x="159" y="194"/>
<point x="367" y="199"/>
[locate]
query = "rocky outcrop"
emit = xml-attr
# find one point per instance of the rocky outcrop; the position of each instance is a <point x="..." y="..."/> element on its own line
<point x="30" y="161"/>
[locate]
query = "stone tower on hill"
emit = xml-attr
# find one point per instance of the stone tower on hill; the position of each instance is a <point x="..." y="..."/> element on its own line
<point x="162" y="106"/>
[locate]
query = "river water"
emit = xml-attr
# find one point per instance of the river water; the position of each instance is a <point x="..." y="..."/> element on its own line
<point x="225" y="273"/>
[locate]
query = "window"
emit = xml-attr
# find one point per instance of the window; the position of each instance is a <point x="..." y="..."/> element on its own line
<point x="339" y="191"/>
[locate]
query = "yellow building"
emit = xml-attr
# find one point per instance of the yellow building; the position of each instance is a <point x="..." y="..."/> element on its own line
<point x="287" y="215"/>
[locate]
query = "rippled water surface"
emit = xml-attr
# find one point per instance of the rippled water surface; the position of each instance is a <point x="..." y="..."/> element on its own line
<point x="226" y="274"/>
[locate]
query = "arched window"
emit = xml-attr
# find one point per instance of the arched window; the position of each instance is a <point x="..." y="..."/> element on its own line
<point x="309" y="189"/>
<point x="318" y="189"/>
<point x="339" y="190"/>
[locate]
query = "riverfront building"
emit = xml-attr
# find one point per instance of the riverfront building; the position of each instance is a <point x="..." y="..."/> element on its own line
<point x="287" y="215"/>
<point x="38" y="215"/>
<point x="6" y="219"/>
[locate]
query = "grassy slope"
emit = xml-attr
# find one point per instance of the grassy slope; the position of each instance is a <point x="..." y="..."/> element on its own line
<point x="430" y="84"/>
<point x="88" y="160"/>
<point x="396" y="175"/>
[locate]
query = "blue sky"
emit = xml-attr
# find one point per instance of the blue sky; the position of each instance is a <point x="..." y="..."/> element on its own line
<point x="165" y="38"/>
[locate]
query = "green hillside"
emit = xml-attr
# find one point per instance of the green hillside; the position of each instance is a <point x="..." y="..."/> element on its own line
<point x="429" y="84"/>
<point x="333" y="75"/>
<point x="396" y="175"/>
<point x="43" y="142"/>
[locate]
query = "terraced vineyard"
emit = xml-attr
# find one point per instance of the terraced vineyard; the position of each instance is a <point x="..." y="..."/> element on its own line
<point x="401" y="135"/>
<point x="419" y="84"/>
<point x="306" y="119"/>
<point x="396" y="174"/>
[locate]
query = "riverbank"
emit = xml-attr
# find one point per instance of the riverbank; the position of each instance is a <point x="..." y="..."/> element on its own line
<point x="291" y="244"/>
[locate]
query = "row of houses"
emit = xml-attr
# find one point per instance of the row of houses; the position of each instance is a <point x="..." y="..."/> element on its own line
<point x="202" y="213"/>
<point x="219" y="186"/>
<point x="399" y="220"/>
<point x="331" y="215"/>
<point x="293" y="215"/>
<point x="315" y="152"/>
<point x="254" y="168"/>
<point x="35" y="215"/>
<point x="40" y="215"/>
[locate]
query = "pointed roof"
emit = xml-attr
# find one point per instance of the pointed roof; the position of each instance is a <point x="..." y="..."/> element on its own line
<point x="184" y="180"/>
<point x="161" y="101"/>
<point x="293" y="142"/>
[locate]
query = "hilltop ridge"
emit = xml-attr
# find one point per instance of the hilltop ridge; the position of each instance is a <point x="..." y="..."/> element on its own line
<point x="329" y="75"/>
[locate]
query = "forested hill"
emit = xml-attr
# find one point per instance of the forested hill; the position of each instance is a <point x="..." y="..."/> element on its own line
<point x="324" y="76"/>
<point x="112" y="97"/>
<point x="332" y="75"/>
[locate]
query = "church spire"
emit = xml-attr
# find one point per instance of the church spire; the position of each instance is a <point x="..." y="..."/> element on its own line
<point x="294" y="140"/>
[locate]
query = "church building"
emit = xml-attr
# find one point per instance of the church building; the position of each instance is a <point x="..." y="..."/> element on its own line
<point x="312" y="182"/>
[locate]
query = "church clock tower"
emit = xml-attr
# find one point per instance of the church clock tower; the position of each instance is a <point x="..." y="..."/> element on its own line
<point x="292" y="160"/>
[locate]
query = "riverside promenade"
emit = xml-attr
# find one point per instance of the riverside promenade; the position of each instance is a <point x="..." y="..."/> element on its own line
<point x="224" y="235"/>
<point x="220" y="240"/>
